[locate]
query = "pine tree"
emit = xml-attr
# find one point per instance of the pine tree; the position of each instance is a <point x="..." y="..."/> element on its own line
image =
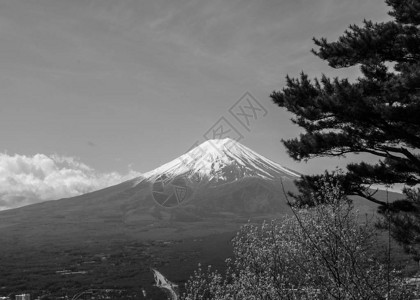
<point x="379" y="113"/>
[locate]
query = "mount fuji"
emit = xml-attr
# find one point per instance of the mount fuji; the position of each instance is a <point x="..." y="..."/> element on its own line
<point x="219" y="181"/>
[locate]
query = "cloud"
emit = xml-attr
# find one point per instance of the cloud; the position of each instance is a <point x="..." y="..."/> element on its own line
<point x="30" y="179"/>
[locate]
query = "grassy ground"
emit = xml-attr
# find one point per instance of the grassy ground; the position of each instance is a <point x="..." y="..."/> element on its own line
<point x="117" y="254"/>
<point x="120" y="264"/>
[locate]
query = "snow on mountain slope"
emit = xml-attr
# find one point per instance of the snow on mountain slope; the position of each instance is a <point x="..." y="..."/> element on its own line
<point x="222" y="160"/>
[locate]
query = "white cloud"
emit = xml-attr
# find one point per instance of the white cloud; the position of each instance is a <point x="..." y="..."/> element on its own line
<point x="30" y="179"/>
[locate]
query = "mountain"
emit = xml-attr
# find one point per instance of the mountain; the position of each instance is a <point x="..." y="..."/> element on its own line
<point x="219" y="179"/>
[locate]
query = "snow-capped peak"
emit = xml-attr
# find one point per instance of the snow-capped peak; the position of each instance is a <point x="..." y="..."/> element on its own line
<point x="221" y="160"/>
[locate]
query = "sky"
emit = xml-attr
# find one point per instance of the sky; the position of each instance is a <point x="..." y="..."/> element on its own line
<point x="94" y="92"/>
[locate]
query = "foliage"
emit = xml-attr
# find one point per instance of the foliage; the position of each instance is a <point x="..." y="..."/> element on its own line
<point x="377" y="114"/>
<point x="323" y="252"/>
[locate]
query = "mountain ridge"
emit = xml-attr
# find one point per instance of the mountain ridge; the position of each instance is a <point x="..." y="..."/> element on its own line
<point x="230" y="180"/>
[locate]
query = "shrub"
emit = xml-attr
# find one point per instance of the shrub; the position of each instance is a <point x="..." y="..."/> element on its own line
<point x="323" y="252"/>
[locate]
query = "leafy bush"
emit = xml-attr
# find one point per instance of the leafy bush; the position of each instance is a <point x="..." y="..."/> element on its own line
<point x="323" y="252"/>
